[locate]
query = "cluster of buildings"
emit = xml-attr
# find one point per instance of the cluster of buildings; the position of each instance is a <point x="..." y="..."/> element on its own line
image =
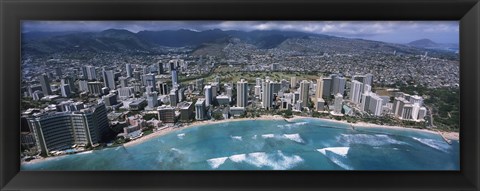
<point x="156" y="89"/>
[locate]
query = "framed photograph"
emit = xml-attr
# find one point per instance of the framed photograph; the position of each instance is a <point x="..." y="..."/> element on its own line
<point x="240" y="95"/>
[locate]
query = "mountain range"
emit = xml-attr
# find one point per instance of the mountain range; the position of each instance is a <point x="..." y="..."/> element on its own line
<point x="429" y="44"/>
<point x="204" y="42"/>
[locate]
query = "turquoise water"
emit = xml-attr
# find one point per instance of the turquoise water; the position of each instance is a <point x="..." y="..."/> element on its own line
<point x="304" y="144"/>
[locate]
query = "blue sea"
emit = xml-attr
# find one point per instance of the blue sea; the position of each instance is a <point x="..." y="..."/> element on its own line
<point x="302" y="144"/>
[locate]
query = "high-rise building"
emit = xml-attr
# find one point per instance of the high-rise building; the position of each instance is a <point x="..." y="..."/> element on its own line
<point x="422" y="112"/>
<point x="95" y="88"/>
<point x="407" y="112"/>
<point x="320" y="104"/>
<point x="145" y="70"/>
<point x="355" y="91"/>
<point x="124" y="93"/>
<point x="152" y="99"/>
<point x="173" y="97"/>
<point x="319" y="91"/>
<point x="215" y="88"/>
<point x="200" y="113"/>
<point x="242" y="93"/>
<point x="84" y="72"/>
<point x="199" y="83"/>
<point x="338" y="104"/>
<point x="163" y="87"/>
<point x="258" y="81"/>
<point x="267" y="94"/>
<point x="304" y="92"/>
<point x="375" y="106"/>
<point x="59" y="131"/>
<point x="327" y="87"/>
<point x="37" y="95"/>
<point x="186" y="111"/>
<point x="34" y="88"/>
<point x="123" y="82"/>
<point x="45" y="82"/>
<point x="91" y="73"/>
<point x="166" y="114"/>
<point x="149" y="80"/>
<point x="338" y="85"/>
<point x="129" y="70"/>
<point x="416" y="99"/>
<point x="83" y="85"/>
<point x="65" y="90"/>
<point x="277" y="87"/>
<point x="174" y="77"/>
<point x="208" y="95"/>
<point x="258" y="90"/>
<point x="159" y="67"/>
<point x="110" y="100"/>
<point x="70" y="81"/>
<point x="229" y="92"/>
<point x="293" y="82"/>
<point x="398" y="104"/>
<point x="109" y="79"/>
<point x="415" y="111"/>
<point x="137" y="75"/>
<point x="367" y="88"/>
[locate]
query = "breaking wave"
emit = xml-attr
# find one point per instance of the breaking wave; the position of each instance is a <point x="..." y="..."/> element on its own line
<point x="238" y="138"/>
<point x="342" y="151"/>
<point x="216" y="162"/>
<point x="372" y="140"/>
<point x="276" y="161"/>
<point x="339" y="151"/>
<point x="291" y="125"/>
<point x="181" y="135"/>
<point x="294" y="137"/>
<point x="268" y="135"/>
<point x="436" y="144"/>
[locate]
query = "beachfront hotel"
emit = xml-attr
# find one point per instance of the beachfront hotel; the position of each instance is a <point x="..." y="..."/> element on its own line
<point x="60" y="130"/>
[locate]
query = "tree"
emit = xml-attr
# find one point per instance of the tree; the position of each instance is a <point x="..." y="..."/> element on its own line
<point x="217" y="116"/>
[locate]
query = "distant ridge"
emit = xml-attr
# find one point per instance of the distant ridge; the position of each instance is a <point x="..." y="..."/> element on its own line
<point x="423" y="43"/>
<point x="216" y="42"/>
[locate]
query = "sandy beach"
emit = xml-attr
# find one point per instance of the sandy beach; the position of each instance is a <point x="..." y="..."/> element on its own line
<point x="447" y="135"/>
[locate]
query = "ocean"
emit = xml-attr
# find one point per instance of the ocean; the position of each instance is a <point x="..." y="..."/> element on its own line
<point x="302" y="144"/>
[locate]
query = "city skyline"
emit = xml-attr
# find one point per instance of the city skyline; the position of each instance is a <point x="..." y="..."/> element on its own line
<point x="401" y="32"/>
<point x="271" y="100"/>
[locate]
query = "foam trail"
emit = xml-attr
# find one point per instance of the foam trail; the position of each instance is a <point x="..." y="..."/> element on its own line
<point x="342" y="151"/>
<point x="276" y="161"/>
<point x="239" y="138"/>
<point x="238" y="158"/>
<point x="294" y="137"/>
<point x="372" y="140"/>
<point x="86" y="152"/>
<point x="439" y="145"/>
<point x="340" y="163"/>
<point x="181" y="135"/>
<point x="268" y="136"/>
<point x="216" y="162"/>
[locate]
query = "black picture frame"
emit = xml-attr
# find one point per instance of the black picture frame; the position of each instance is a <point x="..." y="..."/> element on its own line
<point x="466" y="11"/>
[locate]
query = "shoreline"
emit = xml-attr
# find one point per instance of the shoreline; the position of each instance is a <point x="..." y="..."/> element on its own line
<point x="197" y="123"/>
<point x="447" y="136"/>
<point x="451" y="136"/>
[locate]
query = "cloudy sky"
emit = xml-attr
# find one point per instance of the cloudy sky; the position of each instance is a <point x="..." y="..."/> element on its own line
<point x="387" y="31"/>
